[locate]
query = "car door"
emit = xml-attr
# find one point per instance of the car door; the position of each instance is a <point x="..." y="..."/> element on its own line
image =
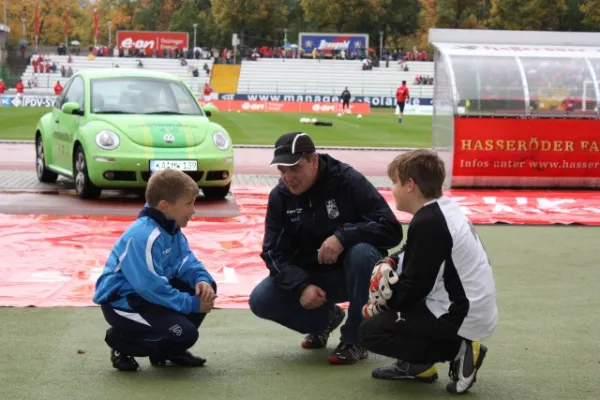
<point x="67" y="125"/>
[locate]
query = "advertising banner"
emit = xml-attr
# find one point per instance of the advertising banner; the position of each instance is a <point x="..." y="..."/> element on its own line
<point x="374" y="101"/>
<point x="28" y="101"/>
<point x="152" y="40"/>
<point x="326" y="42"/>
<point x="288" y="106"/>
<point x="527" y="152"/>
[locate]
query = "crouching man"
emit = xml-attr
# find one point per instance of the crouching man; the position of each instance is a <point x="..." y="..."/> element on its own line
<point x="325" y="228"/>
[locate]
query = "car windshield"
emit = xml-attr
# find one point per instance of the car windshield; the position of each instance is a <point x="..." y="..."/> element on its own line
<point x="130" y="95"/>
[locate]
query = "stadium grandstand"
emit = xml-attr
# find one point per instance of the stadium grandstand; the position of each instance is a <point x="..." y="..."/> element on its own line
<point x="285" y="76"/>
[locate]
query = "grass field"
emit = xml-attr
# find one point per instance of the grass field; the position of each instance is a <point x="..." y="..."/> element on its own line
<point x="546" y="345"/>
<point x="379" y="129"/>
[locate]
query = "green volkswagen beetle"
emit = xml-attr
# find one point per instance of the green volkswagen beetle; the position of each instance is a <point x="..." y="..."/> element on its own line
<point x="110" y="129"/>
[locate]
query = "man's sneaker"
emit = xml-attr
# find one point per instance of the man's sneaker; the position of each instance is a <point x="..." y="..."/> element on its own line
<point x="123" y="362"/>
<point x="346" y="353"/>
<point x="318" y="341"/>
<point x="463" y="371"/>
<point x="402" y="370"/>
<point x="185" y="360"/>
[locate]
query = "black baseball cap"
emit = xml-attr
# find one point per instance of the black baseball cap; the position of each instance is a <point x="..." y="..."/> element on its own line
<point x="290" y="147"/>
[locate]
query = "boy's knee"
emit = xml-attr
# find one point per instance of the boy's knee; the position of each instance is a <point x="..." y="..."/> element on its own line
<point x="185" y="336"/>
<point x="366" y="334"/>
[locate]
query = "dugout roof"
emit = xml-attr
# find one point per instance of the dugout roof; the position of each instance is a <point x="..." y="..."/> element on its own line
<point x="486" y="72"/>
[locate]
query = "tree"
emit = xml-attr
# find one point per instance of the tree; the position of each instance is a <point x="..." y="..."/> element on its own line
<point x="340" y="16"/>
<point x="505" y="14"/>
<point x="183" y="20"/>
<point x="255" y="21"/>
<point x="539" y="15"/>
<point x="461" y="13"/>
<point x="397" y="18"/>
<point x="591" y="14"/>
<point x="573" y="17"/>
<point x="543" y="15"/>
<point x="52" y="20"/>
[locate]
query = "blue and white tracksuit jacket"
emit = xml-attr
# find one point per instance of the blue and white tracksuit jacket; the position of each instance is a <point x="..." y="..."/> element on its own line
<point x="149" y="253"/>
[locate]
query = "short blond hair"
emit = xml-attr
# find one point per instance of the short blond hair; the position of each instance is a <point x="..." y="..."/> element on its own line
<point x="169" y="185"/>
<point x="424" y="167"/>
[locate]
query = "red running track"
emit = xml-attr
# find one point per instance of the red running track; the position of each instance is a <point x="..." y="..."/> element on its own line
<point x="50" y="261"/>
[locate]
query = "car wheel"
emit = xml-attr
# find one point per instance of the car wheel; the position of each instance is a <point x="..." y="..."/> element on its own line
<point x="84" y="187"/>
<point x="216" y="193"/>
<point x="43" y="173"/>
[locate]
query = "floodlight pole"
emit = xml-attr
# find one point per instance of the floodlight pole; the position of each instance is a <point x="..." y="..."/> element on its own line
<point x="109" y="23"/>
<point x="195" y="26"/>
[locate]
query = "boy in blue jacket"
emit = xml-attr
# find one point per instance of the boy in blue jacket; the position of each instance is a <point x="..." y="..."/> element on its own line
<point x="153" y="291"/>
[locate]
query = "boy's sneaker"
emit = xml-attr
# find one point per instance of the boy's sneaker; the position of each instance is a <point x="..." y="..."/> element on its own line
<point x="402" y="370"/>
<point x="185" y="360"/>
<point x="463" y="371"/>
<point x="318" y="341"/>
<point x="345" y="354"/>
<point x="123" y="362"/>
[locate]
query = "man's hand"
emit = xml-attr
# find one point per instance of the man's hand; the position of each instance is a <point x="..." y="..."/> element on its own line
<point x="312" y="297"/>
<point x="206" y="295"/>
<point x="330" y="250"/>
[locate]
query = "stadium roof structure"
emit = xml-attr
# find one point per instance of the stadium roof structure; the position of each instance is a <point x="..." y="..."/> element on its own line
<point x="516" y="43"/>
<point x="516" y="73"/>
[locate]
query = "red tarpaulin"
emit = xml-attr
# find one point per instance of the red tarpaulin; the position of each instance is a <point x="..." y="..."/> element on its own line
<point x="54" y="261"/>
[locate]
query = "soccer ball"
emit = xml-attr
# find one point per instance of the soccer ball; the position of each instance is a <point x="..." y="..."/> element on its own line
<point x="339" y="114"/>
<point x="359" y="116"/>
<point x="302" y="120"/>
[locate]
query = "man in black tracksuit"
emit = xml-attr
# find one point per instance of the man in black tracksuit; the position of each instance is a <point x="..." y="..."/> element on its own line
<point x="325" y="229"/>
<point x="346" y="99"/>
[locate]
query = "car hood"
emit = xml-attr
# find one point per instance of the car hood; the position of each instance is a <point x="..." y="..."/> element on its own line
<point x="169" y="131"/>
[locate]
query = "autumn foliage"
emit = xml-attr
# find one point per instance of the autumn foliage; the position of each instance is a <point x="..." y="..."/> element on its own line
<point x="259" y="22"/>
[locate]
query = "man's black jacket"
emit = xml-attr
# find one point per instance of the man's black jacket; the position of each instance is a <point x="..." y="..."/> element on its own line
<point x="341" y="202"/>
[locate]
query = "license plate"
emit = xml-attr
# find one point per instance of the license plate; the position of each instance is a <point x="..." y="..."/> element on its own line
<point x="182" y="165"/>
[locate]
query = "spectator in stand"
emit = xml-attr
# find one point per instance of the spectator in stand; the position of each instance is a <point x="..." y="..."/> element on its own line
<point x="402" y="95"/>
<point x="20" y="88"/>
<point x="2" y="86"/>
<point x="58" y="88"/>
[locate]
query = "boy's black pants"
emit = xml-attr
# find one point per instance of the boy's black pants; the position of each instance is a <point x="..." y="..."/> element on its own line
<point x="150" y="329"/>
<point x="413" y="335"/>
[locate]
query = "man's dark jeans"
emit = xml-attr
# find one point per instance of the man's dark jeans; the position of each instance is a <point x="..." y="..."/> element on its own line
<point x="350" y="282"/>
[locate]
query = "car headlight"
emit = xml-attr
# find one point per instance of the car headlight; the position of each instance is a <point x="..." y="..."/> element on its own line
<point x="107" y="140"/>
<point x="221" y="140"/>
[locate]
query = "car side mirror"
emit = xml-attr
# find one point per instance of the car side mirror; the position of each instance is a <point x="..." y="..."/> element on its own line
<point x="72" y="108"/>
